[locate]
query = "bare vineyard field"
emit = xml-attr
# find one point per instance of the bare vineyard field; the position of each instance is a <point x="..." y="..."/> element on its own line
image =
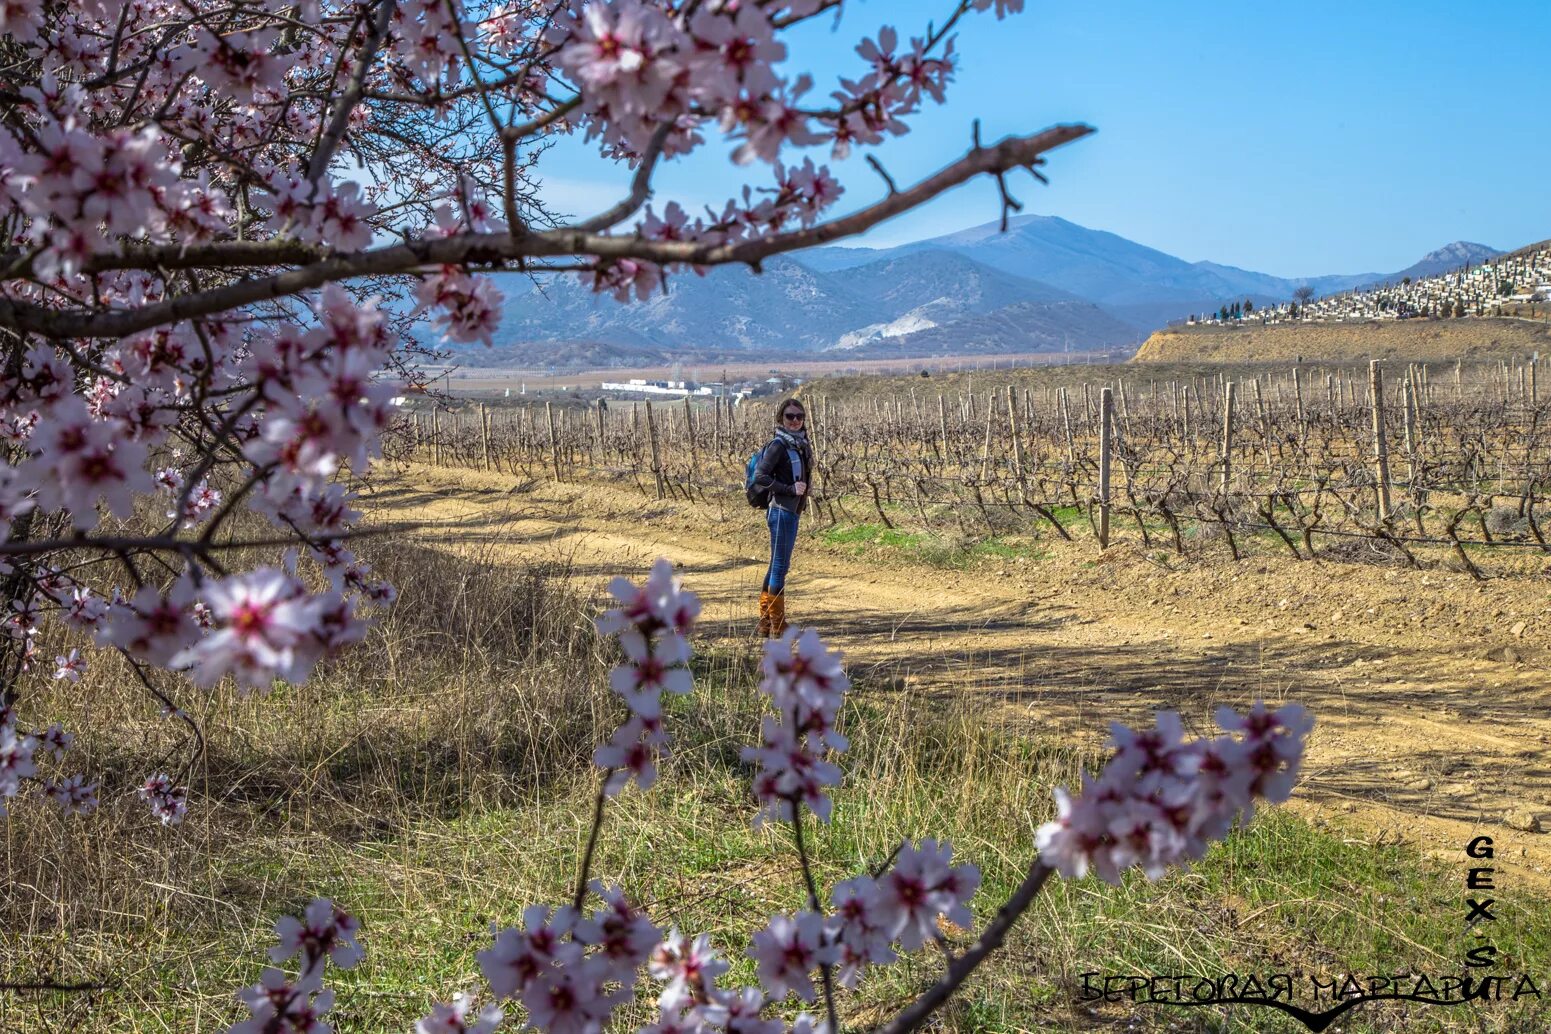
<point x="1404" y="463"/>
<point x="477" y="381"/>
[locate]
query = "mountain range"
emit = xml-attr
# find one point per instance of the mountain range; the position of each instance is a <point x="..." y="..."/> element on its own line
<point x="1046" y="284"/>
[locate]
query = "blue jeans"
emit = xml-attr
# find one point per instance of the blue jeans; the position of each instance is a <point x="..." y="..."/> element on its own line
<point x="783" y="539"/>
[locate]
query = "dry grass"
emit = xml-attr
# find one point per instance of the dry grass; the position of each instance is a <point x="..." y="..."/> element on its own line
<point x="438" y="779"/>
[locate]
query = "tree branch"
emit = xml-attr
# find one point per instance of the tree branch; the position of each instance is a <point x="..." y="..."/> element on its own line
<point x="352" y="95"/>
<point x="473" y="248"/>
<point x="640" y="187"/>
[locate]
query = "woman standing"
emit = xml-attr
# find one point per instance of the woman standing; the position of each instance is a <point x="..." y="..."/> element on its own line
<point x="783" y="471"/>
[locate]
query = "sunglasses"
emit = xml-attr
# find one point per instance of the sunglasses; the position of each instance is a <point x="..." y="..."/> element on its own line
<point x="794" y="416"/>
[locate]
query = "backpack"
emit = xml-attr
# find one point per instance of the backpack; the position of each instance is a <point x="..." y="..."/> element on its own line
<point x="758" y="498"/>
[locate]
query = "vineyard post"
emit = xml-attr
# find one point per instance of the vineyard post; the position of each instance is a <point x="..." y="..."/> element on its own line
<point x="716" y="439"/>
<point x="1408" y="398"/>
<point x="1227" y="432"/>
<point x="942" y="419"/>
<point x="1066" y="419"/>
<point x="1265" y="424"/>
<point x="484" y="435"/>
<point x="1380" y="446"/>
<point x="1298" y="395"/>
<point x="554" y="445"/>
<point x="1125" y="406"/>
<point x="436" y="437"/>
<point x="414" y="430"/>
<point x="602" y="459"/>
<point x="1188" y="437"/>
<point x="1106" y="417"/>
<point x="689" y="427"/>
<point x="1534" y="387"/>
<point x="985" y="448"/>
<point x="651" y="434"/>
<point x="1017" y="444"/>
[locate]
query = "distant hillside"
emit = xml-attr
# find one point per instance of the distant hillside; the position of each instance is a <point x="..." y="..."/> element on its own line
<point x="1047" y="284"/>
<point x="1407" y="339"/>
<point x="1143" y="286"/>
<point x="928" y="303"/>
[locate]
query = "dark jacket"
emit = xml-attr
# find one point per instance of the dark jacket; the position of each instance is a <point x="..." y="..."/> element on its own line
<point x="774" y="473"/>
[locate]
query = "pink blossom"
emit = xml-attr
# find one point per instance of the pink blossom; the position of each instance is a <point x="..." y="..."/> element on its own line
<point x="453" y="1018"/>
<point x="569" y="998"/>
<point x="324" y="931"/>
<point x="279" y="1006"/>
<point x="631" y="755"/>
<point x="520" y="954"/>
<point x="55" y="741"/>
<point x="167" y="801"/>
<point x="262" y="624"/>
<point x="689" y="968"/>
<point x="787" y="952"/>
<point x="920" y="887"/>
<point x="71" y="667"/>
<point x="73" y="794"/>
<point x="860" y="928"/>
<point x="621" y="934"/>
<point x="1161" y="800"/>
<point x="153" y="626"/>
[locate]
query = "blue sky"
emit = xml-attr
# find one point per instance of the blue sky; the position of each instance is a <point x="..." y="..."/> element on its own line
<point x="1289" y="139"/>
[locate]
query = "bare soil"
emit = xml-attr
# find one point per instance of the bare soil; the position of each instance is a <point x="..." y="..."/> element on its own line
<point x="1467" y="338"/>
<point x="1432" y="691"/>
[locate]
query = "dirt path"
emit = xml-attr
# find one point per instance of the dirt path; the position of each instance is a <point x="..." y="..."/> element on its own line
<point x="1432" y="692"/>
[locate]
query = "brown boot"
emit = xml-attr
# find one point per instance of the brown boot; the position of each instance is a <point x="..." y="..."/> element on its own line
<point x="764" y="614"/>
<point x="777" y="615"/>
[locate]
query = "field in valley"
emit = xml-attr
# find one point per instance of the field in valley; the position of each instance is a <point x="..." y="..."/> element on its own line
<point x="438" y="779"/>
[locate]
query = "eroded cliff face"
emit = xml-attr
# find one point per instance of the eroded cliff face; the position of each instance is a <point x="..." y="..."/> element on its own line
<point x="1404" y="339"/>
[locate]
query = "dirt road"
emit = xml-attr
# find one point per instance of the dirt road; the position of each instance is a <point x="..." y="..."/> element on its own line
<point x="1432" y="691"/>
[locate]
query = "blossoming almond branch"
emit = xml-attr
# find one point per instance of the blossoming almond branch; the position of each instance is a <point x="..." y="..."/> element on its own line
<point x="1159" y="803"/>
<point x="226" y="221"/>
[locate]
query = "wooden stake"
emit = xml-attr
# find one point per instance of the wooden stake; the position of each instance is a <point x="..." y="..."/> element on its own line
<point x="1227" y="432"/>
<point x="484" y="434"/>
<point x="1066" y="419"/>
<point x="1298" y="395"/>
<point x="1380" y="446"/>
<point x="651" y="433"/>
<point x="554" y="444"/>
<point x="1106" y="419"/>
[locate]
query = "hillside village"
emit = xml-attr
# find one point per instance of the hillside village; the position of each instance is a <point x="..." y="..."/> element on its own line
<point x="1523" y="276"/>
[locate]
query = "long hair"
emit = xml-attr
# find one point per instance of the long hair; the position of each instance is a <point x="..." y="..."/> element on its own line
<point x="782" y="409"/>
